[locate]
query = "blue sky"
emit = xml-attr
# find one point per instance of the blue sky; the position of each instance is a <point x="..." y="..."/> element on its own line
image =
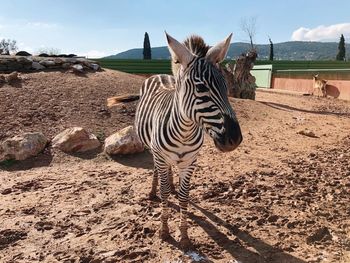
<point x="104" y="27"/>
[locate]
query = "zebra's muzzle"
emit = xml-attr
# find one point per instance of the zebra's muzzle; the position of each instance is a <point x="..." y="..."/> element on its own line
<point x="231" y="138"/>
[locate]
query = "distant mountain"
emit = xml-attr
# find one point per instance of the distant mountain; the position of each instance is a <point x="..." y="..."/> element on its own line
<point x="292" y="50"/>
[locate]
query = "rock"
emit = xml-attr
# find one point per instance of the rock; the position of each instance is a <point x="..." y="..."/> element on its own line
<point x="308" y="133"/>
<point x="95" y="66"/>
<point x="47" y="63"/>
<point x="66" y="65"/>
<point x="24" y="60"/>
<point x="59" y="61"/>
<point x="77" y="68"/>
<point x="23" y="146"/>
<point x="75" y="139"/>
<point x="125" y="141"/>
<point x="23" y="53"/>
<point x="2" y="80"/>
<point x="37" y="66"/>
<point x="321" y="234"/>
<point x="12" y="77"/>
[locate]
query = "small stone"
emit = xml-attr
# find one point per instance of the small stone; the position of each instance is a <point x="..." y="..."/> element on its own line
<point x="47" y="63"/>
<point x="77" y="68"/>
<point x="307" y="133"/>
<point x="75" y="139"/>
<point x="125" y="141"/>
<point x="95" y="66"/>
<point x="23" y="146"/>
<point x="66" y="65"/>
<point x="12" y="77"/>
<point x="37" y="66"/>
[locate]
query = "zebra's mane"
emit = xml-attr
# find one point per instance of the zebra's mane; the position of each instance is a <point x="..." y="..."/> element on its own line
<point x="196" y="45"/>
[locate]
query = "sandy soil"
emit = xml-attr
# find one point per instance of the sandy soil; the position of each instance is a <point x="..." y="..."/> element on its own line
<point x="280" y="197"/>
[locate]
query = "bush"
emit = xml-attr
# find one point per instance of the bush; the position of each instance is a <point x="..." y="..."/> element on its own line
<point x="23" y="53"/>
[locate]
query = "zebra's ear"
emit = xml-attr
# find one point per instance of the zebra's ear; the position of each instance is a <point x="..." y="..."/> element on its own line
<point x="179" y="53"/>
<point x="217" y="53"/>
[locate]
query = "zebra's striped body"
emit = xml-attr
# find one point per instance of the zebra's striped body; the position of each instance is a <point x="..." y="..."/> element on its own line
<point x="174" y="113"/>
<point x="160" y="125"/>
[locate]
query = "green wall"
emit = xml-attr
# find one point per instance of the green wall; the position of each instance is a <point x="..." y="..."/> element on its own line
<point x="263" y="69"/>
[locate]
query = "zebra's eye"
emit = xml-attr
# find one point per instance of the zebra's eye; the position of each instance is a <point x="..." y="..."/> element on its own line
<point x="201" y="88"/>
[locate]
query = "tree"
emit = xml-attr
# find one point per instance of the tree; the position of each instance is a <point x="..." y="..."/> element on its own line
<point x="271" y="50"/>
<point x="7" y="46"/>
<point x="248" y="26"/>
<point x="48" y="50"/>
<point x="341" y="49"/>
<point x="146" y="48"/>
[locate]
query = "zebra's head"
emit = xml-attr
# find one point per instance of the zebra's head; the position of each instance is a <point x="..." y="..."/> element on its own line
<point x="202" y="91"/>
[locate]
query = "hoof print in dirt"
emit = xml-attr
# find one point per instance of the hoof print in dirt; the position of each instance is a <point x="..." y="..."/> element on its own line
<point x="74" y="140"/>
<point x="10" y="236"/>
<point x="321" y="235"/>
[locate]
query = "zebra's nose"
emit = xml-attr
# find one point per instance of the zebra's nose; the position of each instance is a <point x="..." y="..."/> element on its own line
<point x="233" y="135"/>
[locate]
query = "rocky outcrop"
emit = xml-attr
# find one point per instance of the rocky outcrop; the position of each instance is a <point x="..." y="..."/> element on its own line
<point x="35" y="63"/>
<point x="125" y="141"/>
<point x="75" y="139"/>
<point x="23" y="146"/>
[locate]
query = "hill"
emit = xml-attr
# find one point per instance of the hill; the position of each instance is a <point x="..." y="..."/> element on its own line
<point x="292" y="50"/>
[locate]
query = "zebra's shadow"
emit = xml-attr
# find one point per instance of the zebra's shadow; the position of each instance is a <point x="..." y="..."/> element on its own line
<point x="138" y="160"/>
<point x="266" y="253"/>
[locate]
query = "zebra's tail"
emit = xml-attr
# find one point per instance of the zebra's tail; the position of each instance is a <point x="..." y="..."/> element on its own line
<point x="113" y="101"/>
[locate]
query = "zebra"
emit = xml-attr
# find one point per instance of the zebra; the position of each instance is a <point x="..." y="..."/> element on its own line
<point x="174" y="113"/>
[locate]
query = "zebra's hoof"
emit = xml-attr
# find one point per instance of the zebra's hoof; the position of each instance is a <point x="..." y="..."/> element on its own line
<point x="153" y="197"/>
<point x="185" y="244"/>
<point x="173" y="190"/>
<point x="164" y="234"/>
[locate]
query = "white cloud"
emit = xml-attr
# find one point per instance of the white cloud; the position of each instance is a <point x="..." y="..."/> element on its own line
<point x="94" y="54"/>
<point x="321" y="33"/>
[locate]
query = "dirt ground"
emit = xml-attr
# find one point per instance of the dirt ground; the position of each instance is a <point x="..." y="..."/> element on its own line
<point x="281" y="197"/>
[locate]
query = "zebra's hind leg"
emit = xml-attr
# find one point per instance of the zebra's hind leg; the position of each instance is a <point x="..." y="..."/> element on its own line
<point x="171" y="181"/>
<point x="163" y="173"/>
<point x="153" y="193"/>
<point x="185" y="176"/>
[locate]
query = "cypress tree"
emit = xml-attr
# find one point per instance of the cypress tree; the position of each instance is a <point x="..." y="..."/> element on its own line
<point x="341" y="49"/>
<point x="146" y="48"/>
<point x="271" y="50"/>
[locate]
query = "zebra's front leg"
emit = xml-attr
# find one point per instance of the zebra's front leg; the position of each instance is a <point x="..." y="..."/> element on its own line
<point x="163" y="172"/>
<point x="153" y="193"/>
<point x="185" y="176"/>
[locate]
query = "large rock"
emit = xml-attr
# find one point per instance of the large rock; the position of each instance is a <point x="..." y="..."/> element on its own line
<point x="77" y="68"/>
<point x="125" y="141"/>
<point x="75" y="139"/>
<point x="37" y="66"/>
<point x="47" y="63"/>
<point x="23" y="146"/>
<point x="94" y="66"/>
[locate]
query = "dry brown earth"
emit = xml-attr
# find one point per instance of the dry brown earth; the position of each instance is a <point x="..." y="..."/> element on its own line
<point x="281" y="197"/>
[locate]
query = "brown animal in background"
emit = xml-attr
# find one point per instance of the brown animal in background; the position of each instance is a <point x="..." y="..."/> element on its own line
<point x="320" y="86"/>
